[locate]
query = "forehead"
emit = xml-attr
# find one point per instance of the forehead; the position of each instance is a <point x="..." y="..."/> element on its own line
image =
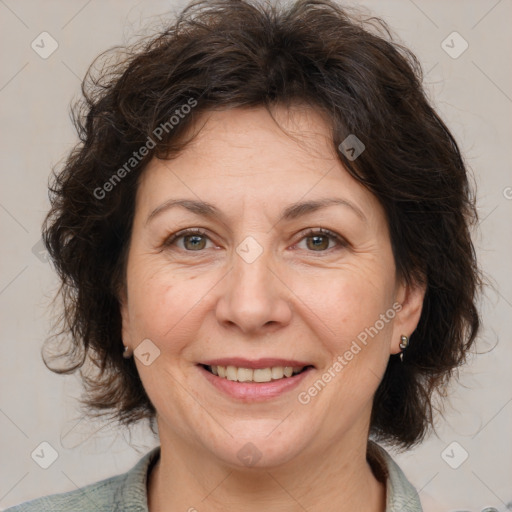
<point x="299" y="133"/>
<point x="278" y="157"/>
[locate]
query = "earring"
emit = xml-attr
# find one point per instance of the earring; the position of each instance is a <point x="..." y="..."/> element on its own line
<point x="404" y="343"/>
<point x="128" y="352"/>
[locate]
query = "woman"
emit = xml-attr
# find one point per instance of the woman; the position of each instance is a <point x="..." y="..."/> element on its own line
<point x="263" y="240"/>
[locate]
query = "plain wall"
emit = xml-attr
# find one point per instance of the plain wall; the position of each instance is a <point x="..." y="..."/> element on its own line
<point x="473" y="93"/>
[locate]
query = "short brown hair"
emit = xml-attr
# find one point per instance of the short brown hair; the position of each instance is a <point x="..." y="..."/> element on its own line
<point x="233" y="53"/>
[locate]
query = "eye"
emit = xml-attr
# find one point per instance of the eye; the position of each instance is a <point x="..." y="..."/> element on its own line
<point x="320" y="239"/>
<point x="194" y="239"/>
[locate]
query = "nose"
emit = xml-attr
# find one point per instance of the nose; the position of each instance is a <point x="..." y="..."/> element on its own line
<point x="254" y="298"/>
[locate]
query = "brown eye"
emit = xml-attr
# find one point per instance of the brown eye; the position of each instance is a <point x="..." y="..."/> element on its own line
<point x="194" y="240"/>
<point x="319" y="240"/>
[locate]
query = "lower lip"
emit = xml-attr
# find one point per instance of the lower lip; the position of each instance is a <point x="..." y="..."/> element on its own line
<point x="255" y="391"/>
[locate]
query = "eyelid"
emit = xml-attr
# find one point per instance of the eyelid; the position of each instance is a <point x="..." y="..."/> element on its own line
<point x="341" y="241"/>
<point x="185" y="232"/>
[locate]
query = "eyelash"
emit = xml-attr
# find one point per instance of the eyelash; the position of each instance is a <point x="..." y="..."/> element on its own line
<point x="309" y="233"/>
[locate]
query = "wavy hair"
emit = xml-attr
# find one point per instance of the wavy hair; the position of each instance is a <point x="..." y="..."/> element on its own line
<point x="242" y="54"/>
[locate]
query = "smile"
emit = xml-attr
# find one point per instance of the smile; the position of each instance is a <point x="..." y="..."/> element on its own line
<point x="254" y="384"/>
<point x="269" y="374"/>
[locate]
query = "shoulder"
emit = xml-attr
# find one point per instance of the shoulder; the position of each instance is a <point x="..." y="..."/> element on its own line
<point x="400" y="493"/>
<point x="123" y="493"/>
<point x="97" y="496"/>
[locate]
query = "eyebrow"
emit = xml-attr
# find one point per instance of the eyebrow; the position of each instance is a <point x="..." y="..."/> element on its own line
<point x="294" y="211"/>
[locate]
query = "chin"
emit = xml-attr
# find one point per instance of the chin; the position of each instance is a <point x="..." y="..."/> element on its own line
<point x="261" y="443"/>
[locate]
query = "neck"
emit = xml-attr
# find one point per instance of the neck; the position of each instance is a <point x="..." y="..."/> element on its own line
<point x="339" y="480"/>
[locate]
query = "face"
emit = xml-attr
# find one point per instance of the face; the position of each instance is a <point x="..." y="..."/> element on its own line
<point x="264" y="284"/>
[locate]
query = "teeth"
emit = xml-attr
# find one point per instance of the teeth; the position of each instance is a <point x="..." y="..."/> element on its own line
<point x="262" y="375"/>
<point x="258" y="375"/>
<point x="277" y="372"/>
<point x="232" y="373"/>
<point x="244" y="375"/>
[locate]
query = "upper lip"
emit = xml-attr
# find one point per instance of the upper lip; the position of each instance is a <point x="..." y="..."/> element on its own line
<point x="266" y="362"/>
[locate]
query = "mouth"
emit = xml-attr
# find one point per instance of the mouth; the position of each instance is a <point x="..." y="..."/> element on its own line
<point x="254" y="381"/>
<point x="255" y="375"/>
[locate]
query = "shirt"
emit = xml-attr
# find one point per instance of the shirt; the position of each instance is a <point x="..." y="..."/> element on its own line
<point x="128" y="492"/>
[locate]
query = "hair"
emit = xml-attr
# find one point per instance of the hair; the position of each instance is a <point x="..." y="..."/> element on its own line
<point x="225" y="54"/>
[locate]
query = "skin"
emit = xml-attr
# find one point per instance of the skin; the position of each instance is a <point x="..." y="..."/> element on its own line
<point x="294" y="301"/>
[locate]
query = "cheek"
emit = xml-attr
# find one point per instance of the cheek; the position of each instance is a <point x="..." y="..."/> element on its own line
<point x="168" y="304"/>
<point x="349" y="299"/>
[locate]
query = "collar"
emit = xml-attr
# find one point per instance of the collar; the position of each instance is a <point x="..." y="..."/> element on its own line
<point x="400" y="493"/>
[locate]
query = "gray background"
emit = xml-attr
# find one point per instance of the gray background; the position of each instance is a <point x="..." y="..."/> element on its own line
<point x="472" y="92"/>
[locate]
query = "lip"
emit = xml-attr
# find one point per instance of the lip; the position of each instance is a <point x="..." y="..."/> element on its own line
<point x="255" y="391"/>
<point x="266" y="362"/>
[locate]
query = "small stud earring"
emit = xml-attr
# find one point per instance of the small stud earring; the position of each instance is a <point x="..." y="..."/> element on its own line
<point x="404" y="343"/>
<point x="128" y="352"/>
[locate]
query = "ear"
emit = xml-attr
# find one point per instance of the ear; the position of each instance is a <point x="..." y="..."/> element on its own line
<point x="410" y="297"/>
